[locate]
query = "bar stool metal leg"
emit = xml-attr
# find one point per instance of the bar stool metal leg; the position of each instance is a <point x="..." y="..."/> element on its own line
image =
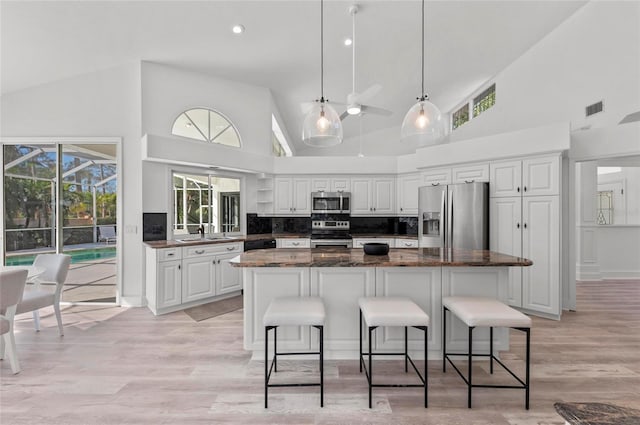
<point x="444" y="339"/>
<point x="275" y="349"/>
<point x="321" y="328"/>
<point x="266" y="366"/>
<point x="491" y="349"/>
<point x="370" y="367"/>
<point x="470" y="356"/>
<point x="526" y="402"/>
<point x="426" y="364"/>
<point x="360" y="327"/>
<point x="406" y="350"/>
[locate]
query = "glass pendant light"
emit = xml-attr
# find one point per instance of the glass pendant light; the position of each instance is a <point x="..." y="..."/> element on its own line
<point x="322" y="126"/>
<point x="423" y="123"/>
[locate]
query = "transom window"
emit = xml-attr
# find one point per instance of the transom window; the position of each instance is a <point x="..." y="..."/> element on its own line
<point x="474" y="107"/>
<point x="206" y="125"/>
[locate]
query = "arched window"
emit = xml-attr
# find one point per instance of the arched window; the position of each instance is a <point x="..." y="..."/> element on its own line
<point x="206" y="125"/>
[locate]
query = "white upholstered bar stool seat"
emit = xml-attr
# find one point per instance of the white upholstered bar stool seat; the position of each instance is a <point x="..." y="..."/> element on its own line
<point x="478" y="311"/>
<point x="295" y="311"/>
<point x="485" y="312"/>
<point x="392" y="311"/>
<point x="292" y="311"/>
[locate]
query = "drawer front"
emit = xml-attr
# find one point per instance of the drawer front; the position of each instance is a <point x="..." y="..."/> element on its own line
<point x="406" y="243"/>
<point x="359" y="242"/>
<point x="293" y="243"/>
<point x="223" y="248"/>
<point x="169" y="254"/>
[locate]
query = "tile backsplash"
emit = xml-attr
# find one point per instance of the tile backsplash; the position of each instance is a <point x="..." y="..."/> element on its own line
<point x="359" y="225"/>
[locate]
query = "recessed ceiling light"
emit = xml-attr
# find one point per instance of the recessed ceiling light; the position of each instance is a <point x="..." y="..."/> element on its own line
<point x="348" y="42"/>
<point x="238" y="29"/>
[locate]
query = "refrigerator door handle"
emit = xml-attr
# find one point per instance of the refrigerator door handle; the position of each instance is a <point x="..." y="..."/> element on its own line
<point x="450" y="221"/>
<point x="442" y="219"/>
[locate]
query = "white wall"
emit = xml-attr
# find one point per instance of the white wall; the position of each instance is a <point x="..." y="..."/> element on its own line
<point x="104" y="103"/>
<point x="619" y="252"/>
<point x="594" y="55"/>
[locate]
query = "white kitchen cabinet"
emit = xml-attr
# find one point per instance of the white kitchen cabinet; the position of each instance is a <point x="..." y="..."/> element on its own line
<point x="506" y="237"/>
<point x="293" y="243"/>
<point x="407" y="194"/>
<point x="436" y="176"/>
<point x="228" y="278"/>
<point x="181" y="277"/>
<point x="264" y="196"/>
<point x="541" y="244"/>
<point x="470" y="173"/>
<point x="529" y="177"/>
<point x="405" y="243"/>
<point x="199" y="277"/>
<point x="169" y="292"/>
<point x="359" y="242"/>
<point x="373" y="196"/>
<point x="292" y="196"/>
<point x="331" y="184"/>
<point x="528" y="226"/>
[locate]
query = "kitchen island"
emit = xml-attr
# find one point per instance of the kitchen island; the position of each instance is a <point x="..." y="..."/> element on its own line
<point x="341" y="276"/>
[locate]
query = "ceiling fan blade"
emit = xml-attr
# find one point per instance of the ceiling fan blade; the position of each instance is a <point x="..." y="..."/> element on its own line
<point x="375" y="110"/>
<point x="344" y="115"/>
<point x="368" y="93"/>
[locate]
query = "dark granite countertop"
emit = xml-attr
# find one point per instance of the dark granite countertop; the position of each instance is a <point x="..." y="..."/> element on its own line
<point x="403" y="257"/>
<point x="597" y="414"/>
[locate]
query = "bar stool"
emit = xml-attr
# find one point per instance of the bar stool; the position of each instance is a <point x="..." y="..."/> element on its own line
<point x="292" y="311"/>
<point x="392" y="311"/>
<point x="477" y="311"/>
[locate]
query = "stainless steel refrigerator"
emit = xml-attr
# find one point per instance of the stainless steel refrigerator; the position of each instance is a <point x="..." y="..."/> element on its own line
<point x="454" y="216"/>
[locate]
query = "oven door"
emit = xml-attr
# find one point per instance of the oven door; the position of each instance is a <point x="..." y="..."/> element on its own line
<point x="332" y="243"/>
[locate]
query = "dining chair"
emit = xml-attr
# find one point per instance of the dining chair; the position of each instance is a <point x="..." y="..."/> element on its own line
<point x="36" y="296"/>
<point x="12" y="284"/>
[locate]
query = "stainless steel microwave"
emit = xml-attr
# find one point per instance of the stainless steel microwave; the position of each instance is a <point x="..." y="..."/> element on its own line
<point x="331" y="202"/>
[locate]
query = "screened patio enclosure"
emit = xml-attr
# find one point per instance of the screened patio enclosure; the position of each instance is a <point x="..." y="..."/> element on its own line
<point x="41" y="216"/>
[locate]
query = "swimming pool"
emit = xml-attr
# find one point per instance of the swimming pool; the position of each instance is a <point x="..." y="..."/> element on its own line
<point x="77" y="256"/>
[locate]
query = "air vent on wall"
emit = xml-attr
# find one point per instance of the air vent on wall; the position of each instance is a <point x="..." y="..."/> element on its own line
<point x="594" y="109"/>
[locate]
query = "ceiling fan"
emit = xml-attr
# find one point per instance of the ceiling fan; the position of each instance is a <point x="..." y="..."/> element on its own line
<point x="355" y="100"/>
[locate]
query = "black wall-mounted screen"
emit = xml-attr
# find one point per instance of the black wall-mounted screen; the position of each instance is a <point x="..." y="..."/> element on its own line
<point x="154" y="226"/>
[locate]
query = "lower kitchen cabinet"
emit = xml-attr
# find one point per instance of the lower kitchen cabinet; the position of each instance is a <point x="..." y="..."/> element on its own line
<point x="177" y="278"/>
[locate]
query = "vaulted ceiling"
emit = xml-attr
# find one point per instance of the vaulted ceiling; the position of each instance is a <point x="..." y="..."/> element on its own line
<point x="467" y="43"/>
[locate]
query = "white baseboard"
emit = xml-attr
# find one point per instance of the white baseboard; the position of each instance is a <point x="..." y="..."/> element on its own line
<point x="620" y="274"/>
<point x="133" y="301"/>
<point x="588" y="272"/>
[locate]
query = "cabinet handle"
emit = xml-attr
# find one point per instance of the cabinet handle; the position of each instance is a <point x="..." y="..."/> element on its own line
<point x="525" y="188"/>
<point x="295" y="243"/>
<point x="374" y="208"/>
<point x="179" y="267"/>
<point x="218" y="261"/>
<point x="170" y="254"/>
<point x="200" y="251"/>
<point x="231" y="248"/>
<point x="401" y="209"/>
<point x="517" y="225"/>
<point x="518" y="189"/>
<point x="469" y="181"/>
<point x="435" y="184"/>
<point x="525" y="225"/>
<point x="407" y="244"/>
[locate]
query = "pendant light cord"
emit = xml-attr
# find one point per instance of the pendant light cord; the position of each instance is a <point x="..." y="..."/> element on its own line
<point x="422" y="92"/>
<point x="321" y="51"/>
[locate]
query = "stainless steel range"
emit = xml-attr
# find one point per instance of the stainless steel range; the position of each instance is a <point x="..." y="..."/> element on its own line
<point x="330" y="233"/>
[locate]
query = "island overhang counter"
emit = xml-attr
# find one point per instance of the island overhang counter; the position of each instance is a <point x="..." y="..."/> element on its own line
<point x="341" y="276"/>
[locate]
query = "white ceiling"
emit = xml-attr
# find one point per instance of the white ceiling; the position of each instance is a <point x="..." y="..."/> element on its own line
<point x="467" y="43"/>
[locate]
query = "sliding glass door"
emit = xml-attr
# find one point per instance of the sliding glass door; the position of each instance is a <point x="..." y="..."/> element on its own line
<point x="86" y="229"/>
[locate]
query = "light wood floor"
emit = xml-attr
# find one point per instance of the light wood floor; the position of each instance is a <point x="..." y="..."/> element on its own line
<point x="125" y="366"/>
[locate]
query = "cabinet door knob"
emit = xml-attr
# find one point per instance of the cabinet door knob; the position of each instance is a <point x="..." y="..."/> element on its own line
<point x="401" y="209"/>
<point x="179" y="267"/>
<point x="525" y="225"/>
<point x="218" y="261"/>
<point x="517" y="225"/>
<point x="525" y="188"/>
<point x="518" y="189"/>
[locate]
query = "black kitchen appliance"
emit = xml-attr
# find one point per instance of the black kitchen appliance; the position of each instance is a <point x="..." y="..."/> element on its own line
<point x="259" y="244"/>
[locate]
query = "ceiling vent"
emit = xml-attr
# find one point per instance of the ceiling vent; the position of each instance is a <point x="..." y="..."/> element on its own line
<point x="594" y="109"/>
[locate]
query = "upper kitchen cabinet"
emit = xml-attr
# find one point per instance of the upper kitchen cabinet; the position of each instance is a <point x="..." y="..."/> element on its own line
<point x="407" y="194"/>
<point x="334" y="184"/>
<point x="436" y="176"/>
<point x="292" y="196"/>
<point x="470" y="173"/>
<point x="372" y="196"/>
<point x="528" y="177"/>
